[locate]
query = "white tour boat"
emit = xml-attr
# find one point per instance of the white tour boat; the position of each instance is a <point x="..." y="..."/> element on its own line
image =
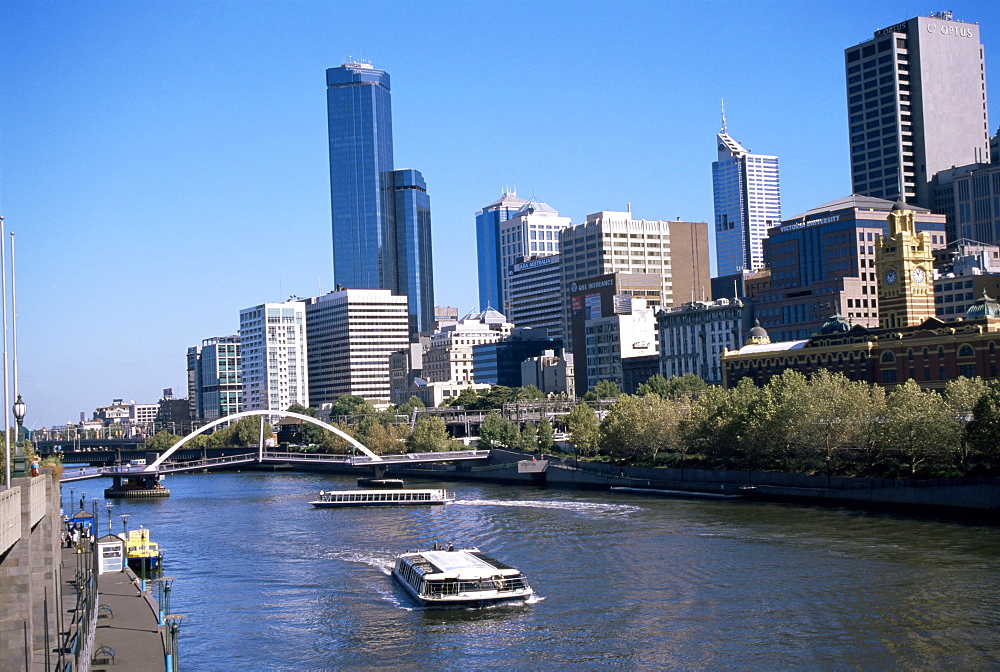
<point x="332" y="498"/>
<point x="463" y="577"/>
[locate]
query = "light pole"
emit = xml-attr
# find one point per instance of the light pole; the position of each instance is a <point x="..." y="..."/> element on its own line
<point x="109" y="505"/>
<point x="20" y="460"/>
<point x="124" y="517"/>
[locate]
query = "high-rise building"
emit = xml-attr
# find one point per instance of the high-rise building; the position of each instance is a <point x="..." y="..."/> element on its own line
<point x="381" y="216"/>
<point x="215" y="386"/>
<point x="536" y="294"/>
<point x="414" y="261"/>
<point x="916" y="98"/>
<point x="532" y="232"/>
<point x="488" y="247"/>
<point x="273" y="353"/>
<point x="747" y="202"/>
<point x="351" y="334"/>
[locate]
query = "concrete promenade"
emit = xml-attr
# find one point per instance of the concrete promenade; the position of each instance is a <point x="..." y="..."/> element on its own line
<point x="126" y="620"/>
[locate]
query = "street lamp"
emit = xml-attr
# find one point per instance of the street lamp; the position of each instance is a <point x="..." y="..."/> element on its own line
<point x="20" y="461"/>
<point x="124" y="517"/>
<point x="109" y="505"/>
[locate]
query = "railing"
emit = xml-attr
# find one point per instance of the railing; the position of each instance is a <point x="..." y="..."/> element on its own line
<point x="10" y="518"/>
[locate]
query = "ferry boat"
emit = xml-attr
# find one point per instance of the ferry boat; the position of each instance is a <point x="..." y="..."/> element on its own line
<point x="464" y="577"/>
<point x="143" y="556"/>
<point x="335" y="498"/>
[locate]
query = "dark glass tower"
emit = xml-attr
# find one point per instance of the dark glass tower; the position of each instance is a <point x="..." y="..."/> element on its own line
<point x="359" y="117"/>
<point x="413" y="247"/>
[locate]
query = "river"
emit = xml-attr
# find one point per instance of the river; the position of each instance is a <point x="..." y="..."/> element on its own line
<point x="267" y="582"/>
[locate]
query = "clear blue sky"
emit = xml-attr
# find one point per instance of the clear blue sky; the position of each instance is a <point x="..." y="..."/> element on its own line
<point x="164" y="164"/>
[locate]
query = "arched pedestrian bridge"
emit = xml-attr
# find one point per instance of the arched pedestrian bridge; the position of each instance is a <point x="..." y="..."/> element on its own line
<point x="378" y="463"/>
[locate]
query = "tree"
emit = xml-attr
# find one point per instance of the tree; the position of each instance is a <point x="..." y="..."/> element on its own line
<point x="494" y="398"/>
<point x="604" y="389"/>
<point x="243" y="432"/>
<point x="637" y="428"/>
<point x="982" y="431"/>
<point x="585" y="428"/>
<point x="161" y="441"/>
<point x="918" y="431"/>
<point x="349" y="404"/>
<point x="654" y="385"/>
<point x="467" y="398"/>
<point x="429" y="435"/>
<point x="961" y="395"/>
<point x="531" y="392"/>
<point x="529" y="438"/>
<point x="545" y="432"/>
<point x="497" y="432"/>
<point x="382" y="439"/>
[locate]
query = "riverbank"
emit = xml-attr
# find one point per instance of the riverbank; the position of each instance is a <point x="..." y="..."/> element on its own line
<point x="969" y="497"/>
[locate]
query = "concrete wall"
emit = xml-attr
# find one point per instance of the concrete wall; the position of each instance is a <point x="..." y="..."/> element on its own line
<point x="28" y="573"/>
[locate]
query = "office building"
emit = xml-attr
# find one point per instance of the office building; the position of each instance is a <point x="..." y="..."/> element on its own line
<point x="536" y="294"/>
<point x="380" y="216"/>
<point x="532" y="233"/>
<point x="449" y="358"/>
<point x="969" y="196"/>
<point x="916" y="106"/>
<point x="966" y="270"/>
<point x="488" y="247"/>
<point x="351" y="334"/>
<point x="414" y="260"/>
<point x="499" y="362"/>
<point x="550" y="373"/>
<point x="822" y="262"/>
<point x="273" y="353"/>
<point x="693" y="337"/>
<point x="675" y="253"/>
<point x="215" y="384"/>
<point x="747" y="203"/>
<point x="613" y="339"/>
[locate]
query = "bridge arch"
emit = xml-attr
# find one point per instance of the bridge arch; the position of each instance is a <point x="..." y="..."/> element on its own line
<point x="246" y="414"/>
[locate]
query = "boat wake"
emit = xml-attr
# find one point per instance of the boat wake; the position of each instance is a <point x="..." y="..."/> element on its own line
<point x="589" y="508"/>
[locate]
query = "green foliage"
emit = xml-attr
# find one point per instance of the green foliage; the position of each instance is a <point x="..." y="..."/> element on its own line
<point x="350" y="404"/>
<point x="637" y="428"/>
<point x="467" y="398"/>
<point x="982" y="434"/>
<point x="545" y="442"/>
<point x="604" y="389"/>
<point x="529" y="438"/>
<point x="243" y="432"/>
<point x="677" y="386"/>
<point x="430" y="434"/>
<point x="161" y="441"/>
<point x="498" y="432"/>
<point x="583" y="423"/>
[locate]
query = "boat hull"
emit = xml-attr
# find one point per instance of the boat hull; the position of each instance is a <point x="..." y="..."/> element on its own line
<point x="483" y="599"/>
<point x="339" y="505"/>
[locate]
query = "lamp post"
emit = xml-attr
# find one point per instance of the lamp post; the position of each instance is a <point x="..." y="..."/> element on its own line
<point x="20" y="460"/>
<point x="124" y="517"/>
<point x="109" y="505"/>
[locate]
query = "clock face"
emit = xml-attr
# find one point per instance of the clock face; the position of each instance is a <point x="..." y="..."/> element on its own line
<point x="917" y="275"/>
<point x="890" y="277"/>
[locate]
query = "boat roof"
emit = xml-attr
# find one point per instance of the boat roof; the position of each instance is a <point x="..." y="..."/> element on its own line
<point x="393" y="491"/>
<point x="461" y="564"/>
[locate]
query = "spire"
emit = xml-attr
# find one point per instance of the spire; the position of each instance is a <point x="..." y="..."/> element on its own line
<point x="724" y="116"/>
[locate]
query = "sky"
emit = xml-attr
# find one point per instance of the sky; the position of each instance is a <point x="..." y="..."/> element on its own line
<point x="165" y="164"/>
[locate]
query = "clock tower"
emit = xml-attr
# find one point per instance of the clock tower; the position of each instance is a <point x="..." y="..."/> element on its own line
<point x="903" y="261"/>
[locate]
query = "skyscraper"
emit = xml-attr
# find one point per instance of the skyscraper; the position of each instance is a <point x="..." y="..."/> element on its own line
<point x="381" y="216"/>
<point x="747" y="201"/>
<point x="530" y="233"/>
<point x="916" y="97"/>
<point x="273" y="356"/>
<point x="414" y="262"/>
<point x="489" y="247"/>
<point x="359" y="119"/>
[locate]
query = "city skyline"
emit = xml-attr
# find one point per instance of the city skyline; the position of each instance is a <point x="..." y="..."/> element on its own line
<point x="153" y="197"/>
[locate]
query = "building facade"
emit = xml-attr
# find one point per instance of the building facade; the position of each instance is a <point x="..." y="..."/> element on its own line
<point x="499" y="363"/>
<point x="970" y="198"/>
<point x="904" y="262"/>
<point x="550" y="373"/>
<point x="532" y="233"/>
<point x="414" y="258"/>
<point x="536" y="294"/>
<point x="916" y="105"/>
<point x="488" y="247"/>
<point x="747" y="199"/>
<point x="966" y="270"/>
<point x="215" y="382"/>
<point x="823" y="262"/>
<point x="351" y="335"/>
<point x="693" y="337"/>
<point x="449" y="358"/>
<point x="273" y="355"/>
<point x="611" y="340"/>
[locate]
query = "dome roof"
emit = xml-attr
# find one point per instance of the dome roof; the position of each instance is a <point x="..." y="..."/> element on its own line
<point x="835" y="325"/>
<point x="983" y="307"/>
<point x="758" y="335"/>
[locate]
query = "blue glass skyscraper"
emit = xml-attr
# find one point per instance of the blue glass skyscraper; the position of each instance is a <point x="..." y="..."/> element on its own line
<point x="489" y="247"/>
<point x="414" y="262"/>
<point x="359" y="118"/>
<point x="381" y="216"/>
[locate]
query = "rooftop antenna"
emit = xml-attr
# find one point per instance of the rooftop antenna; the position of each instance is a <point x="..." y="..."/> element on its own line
<point x="724" y="131"/>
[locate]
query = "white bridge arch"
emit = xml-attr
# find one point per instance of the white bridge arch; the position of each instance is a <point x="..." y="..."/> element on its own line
<point x="246" y="414"/>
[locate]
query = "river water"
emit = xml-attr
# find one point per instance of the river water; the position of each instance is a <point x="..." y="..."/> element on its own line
<point x="267" y="582"/>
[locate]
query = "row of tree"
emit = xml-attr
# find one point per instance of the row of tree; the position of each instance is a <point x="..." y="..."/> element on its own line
<point x="825" y="424"/>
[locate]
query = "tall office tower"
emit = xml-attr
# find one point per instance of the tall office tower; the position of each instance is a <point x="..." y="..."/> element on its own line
<point x="536" y="296"/>
<point x="747" y="202"/>
<point x="414" y="262"/>
<point x="609" y="242"/>
<point x="215" y="386"/>
<point x="533" y="232"/>
<point x="351" y="334"/>
<point x="381" y="216"/>
<point x="359" y="119"/>
<point x="488" y="247"/>
<point x="916" y="98"/>
<point x="273" y="350"/>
